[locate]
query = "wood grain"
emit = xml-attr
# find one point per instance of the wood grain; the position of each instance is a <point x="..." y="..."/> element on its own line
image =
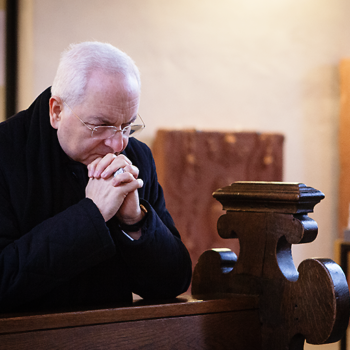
<point x="310" y="303"/>
<point x="212" y="331"/>
<point x="183" y="323"/>
<point x="192" y="164"/>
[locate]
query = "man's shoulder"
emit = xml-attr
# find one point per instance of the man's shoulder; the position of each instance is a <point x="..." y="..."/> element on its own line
<point x="14" y="131"/>
<point x="135" y="147"/>
<point x="22" y="119"/>
<point x="139" y="153"/>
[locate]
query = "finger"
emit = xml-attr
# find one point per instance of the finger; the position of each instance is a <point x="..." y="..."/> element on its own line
<point x="110" y="163"/>
<point x="134" y="185"/>
<point x="122" y="178"/>
<point x="103" y="164"/>
<point x="92" y="166"/>
<point x="133" y="170"/>
<point x="97" y="166"/>
<point x="131" y="186"/>
<point x="120" y="162"/>
<point x="119" y="171"/>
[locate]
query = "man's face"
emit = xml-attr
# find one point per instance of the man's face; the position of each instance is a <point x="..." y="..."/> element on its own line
<point x="108" y="101"/>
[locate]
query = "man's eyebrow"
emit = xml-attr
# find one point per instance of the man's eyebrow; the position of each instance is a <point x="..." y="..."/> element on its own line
<point x="95" y="119"/>
<point x="132" y="119"/>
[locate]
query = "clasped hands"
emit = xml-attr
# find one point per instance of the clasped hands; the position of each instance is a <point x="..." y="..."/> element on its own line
<point x="115" y="195"/>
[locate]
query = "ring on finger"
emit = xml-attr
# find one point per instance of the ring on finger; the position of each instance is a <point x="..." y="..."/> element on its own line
<point x="119" y="171"/>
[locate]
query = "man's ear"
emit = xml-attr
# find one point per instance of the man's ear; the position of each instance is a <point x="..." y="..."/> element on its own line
<point x="55" y="106"/>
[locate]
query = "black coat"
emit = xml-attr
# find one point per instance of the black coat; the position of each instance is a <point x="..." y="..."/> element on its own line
<point x="55" y="248"/>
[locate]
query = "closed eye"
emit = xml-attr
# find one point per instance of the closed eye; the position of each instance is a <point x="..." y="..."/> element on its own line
<point x="94" y="125"/>
<point x="125" y="125"/>
<point x="129" y="123"/>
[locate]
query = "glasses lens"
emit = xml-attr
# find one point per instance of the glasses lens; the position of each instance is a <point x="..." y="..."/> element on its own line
<point x="103" y="132"/>
<point x="135" y="128"/>
<point x="126" y="130"/>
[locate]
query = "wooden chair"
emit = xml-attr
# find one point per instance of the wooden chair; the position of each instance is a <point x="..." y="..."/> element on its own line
<point x="258" y="301"/>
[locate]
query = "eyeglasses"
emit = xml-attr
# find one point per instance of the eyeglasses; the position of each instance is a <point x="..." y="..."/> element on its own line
<point x="106" y="132"/>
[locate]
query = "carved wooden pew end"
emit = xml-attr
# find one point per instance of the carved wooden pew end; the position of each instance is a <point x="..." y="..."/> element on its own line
<point x="310" y="303"/>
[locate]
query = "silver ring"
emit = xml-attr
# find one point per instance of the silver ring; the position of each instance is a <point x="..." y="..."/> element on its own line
<point x="119" y="171"/>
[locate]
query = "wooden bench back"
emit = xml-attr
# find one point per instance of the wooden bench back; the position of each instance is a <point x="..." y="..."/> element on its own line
<point x="258" y="301"/>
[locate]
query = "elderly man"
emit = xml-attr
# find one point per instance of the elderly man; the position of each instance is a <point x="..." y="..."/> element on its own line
<point x="83" y="221"/>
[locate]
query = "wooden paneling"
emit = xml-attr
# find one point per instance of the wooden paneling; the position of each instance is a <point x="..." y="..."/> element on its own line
<point x="192" y="164"/>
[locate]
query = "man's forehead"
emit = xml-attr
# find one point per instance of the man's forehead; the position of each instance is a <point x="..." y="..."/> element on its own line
<point x="123" y="83"/>
<point x="113" y="98"/>
<point x="109" y="113"/>
<point x="111" y="106"/>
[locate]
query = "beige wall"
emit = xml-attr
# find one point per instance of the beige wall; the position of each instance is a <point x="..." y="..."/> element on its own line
<point x="228" y="64"/>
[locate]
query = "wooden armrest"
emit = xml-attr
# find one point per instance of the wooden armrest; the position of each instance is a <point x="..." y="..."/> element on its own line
<point x="182" y="323"/>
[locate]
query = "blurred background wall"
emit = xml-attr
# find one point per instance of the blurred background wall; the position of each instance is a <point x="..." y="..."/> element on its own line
<point x="240" y="65"/>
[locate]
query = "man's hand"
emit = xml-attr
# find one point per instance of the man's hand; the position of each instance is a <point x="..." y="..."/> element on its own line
<point x="106" y="167"/>
<point x="115" y="195"/>
<point x="109" y="198"/>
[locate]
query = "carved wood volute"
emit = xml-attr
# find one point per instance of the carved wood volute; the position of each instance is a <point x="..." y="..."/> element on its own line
<point x="310" y="303"/>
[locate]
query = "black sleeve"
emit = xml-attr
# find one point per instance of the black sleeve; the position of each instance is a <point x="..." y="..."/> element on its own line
<point x="51" y="253"/>
<point x="159" y="263"/>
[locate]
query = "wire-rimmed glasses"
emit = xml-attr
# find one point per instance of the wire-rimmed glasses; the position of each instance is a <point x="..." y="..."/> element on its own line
<point x="108" y="131"/>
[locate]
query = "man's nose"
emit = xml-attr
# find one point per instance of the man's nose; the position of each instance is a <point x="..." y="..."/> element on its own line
<point x="116" y="142"/>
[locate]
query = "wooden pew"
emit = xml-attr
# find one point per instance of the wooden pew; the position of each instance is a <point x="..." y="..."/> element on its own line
<point x="258" y="301"/>
<point x="184" y="323"/>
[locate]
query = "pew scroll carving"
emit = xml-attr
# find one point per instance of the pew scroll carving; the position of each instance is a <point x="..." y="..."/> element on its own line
<point x="309" y="303"/>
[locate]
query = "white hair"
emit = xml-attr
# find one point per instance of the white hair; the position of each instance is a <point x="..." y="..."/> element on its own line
<point x="80" y="60"/>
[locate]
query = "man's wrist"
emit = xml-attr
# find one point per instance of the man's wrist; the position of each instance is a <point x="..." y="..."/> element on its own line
<point x="136" y="226"/>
